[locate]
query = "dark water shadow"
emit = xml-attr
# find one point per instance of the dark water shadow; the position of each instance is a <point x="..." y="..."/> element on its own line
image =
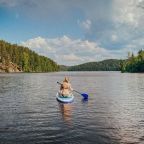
<point x="84" y="101"/>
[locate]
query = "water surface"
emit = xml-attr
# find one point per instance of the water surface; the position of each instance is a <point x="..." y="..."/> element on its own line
<point x="114" y="113"/>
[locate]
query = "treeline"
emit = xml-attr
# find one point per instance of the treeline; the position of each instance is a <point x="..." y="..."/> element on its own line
<point x="26" y="59"/>
<point x="64" y="68"/>
<point x="106" y="65"/>
<point x="134" y="63"/>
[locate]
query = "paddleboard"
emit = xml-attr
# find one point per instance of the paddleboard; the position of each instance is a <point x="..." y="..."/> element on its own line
<point x="65" y="99"/>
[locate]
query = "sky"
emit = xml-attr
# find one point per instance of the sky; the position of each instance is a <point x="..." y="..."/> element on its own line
<point x="73" y="32"/>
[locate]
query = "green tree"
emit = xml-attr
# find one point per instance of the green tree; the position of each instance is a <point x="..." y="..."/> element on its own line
<point x="26" y="59"/>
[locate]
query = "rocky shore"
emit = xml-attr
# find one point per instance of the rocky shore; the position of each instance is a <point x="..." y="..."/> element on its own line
<point x="9" y="68"/>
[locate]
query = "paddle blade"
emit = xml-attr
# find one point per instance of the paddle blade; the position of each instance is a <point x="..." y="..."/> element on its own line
<point x="85" y="95"/>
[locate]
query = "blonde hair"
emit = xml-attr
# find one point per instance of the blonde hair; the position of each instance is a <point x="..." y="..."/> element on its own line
<point x="66" y="79"/>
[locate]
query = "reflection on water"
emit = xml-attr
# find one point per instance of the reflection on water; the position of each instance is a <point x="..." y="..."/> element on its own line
<point x="66" y="111"/>
<point x="113" y="114"/>
<point x="84" y="100"/>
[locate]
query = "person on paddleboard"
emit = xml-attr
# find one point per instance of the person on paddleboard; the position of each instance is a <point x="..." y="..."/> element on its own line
<point x="65" y="88"/>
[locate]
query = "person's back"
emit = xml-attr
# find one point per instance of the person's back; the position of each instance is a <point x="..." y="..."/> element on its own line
<point x="65" y="88"/>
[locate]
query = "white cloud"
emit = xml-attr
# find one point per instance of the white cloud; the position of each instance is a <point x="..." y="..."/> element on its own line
<point x="134" y="46"/>
<point x="38" y="42"/>
<point x="119" y="22"/>
<point x="71" y="57"/>
<point x="128" y="12"/>
<point x="38" y="45"/>
<point x="114" y="37"/>
<point x="68" y="51"/>
<point x="86" y="25"/>
<point x="107" y="24"/>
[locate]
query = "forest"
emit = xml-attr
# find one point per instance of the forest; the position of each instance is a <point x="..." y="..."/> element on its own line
<point x="29" y="61"/>
<point x="105" y="65"/>
<point x="133" y="63"/>
<point x="26" y="59"/>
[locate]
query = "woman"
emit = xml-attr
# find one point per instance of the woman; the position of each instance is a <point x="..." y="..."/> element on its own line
<point x="65" y="88"/>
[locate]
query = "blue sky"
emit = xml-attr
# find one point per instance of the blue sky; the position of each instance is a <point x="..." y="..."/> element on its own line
<point x="74" y="31"/>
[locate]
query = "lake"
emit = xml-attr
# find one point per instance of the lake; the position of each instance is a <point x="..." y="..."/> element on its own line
<point x="113" y="114"/>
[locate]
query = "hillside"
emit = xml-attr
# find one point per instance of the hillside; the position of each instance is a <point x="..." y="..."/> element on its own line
<point x="134" y="63"/>
<point x="105" y="65"/>
<point x="26" y="60"/>
<point x="64" y="68"/>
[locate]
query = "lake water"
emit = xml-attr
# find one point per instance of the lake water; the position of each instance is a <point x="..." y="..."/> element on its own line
<point x="30" y="114"/>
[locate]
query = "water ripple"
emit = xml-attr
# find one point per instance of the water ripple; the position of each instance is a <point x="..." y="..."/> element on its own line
<point x="114" y="113"/>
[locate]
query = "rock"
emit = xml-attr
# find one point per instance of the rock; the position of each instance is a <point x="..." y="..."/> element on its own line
<point x="11" y="67"/>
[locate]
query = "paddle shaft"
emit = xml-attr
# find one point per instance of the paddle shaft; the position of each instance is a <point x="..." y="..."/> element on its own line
<point x="59" y="83"/>
<point x="77" y="91"/>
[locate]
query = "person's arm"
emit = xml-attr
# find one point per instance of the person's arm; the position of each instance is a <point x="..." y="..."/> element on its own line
<point x="61" y="87"/>
<point x="70" y="87"/>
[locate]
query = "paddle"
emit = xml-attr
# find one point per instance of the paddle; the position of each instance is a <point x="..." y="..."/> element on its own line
<point x="85" y="96"/>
